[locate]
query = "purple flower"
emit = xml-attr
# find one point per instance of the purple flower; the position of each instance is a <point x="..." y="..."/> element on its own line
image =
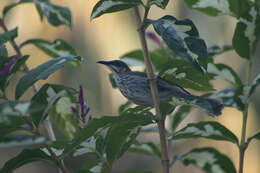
<point x="5" y="70"/>
<point x="153" y="37"/>
<point x="84" y="109"/>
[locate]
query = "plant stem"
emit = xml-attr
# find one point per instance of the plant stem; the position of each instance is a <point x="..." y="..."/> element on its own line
<point x="47" y="122"/>
<point x="243" y="145"/>
<point x="153" y="86"/>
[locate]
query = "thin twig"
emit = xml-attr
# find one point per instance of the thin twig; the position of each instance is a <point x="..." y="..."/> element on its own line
<point x="154" y="91"/>
<point x="47" y="122"/>
<point x="243" y="144"/>
<point x="58" y="161"/>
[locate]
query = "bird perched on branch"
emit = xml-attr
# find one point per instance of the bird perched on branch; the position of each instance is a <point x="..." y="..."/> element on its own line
<point x="135" y="87"/>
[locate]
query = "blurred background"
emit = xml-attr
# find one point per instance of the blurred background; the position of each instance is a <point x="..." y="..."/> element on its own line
<point x="110" y="36"/>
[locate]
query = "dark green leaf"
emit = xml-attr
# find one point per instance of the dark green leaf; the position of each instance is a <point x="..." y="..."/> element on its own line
<point x="56" y="15"/>
<point x="209" y="160"/>
<point x="160" y="3"/>
<point x="91" y="166"/>
<point x="209" y="130"/>
<point x="140" y="172"/>
<point x="15" y="108"/>
<point x="183" y="38"/>
<point x="256" y="136"/>
<point x="184" y="74"/>
<point x="166" y="108"/>
<point x="229" y="97"/>
<point x="124" y="106"/>
<point x="21" y="141"/>
<point x="3" y="51"/>
<point x="57" y="48"/>
<point x="40" y="73"/>
<point x="179" y="115"/>
<point x="25" y="157"/>
<point x="223" y="71"/>
<point x="90" y="130"/>
<point x="216" y="50"/>
<point x="247" y="33"/>
<point x="110" y="6"/>
<point x="148" y="148"/>
<point x="46" y="98"/>
<point x="123" y="132"/>
<point x="8" y="36"/>
<point x="4" y="80"/>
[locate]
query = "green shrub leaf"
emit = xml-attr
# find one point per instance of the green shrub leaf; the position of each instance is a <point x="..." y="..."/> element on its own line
<point x="209" y="160"/>
<point x="21" y="141"/>
<point x="56" y="15"/>
<point x="40" y="73"/>
<point x="8" y="36"/>
<point x="179" y="115"/>
<point x="58" y="48"/>
<point x="208" y="129"/>
<point x="110" y="6"/>
<point x="147" y="148"/>
<point x="45" y="99"/>
<point x="223" y="71"/>
<point x="160" y="3"/>
<point x="25" y="157"/>
<point x="183" y="38"/>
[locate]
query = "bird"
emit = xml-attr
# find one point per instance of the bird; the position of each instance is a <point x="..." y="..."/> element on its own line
<point x="134" y="85"/>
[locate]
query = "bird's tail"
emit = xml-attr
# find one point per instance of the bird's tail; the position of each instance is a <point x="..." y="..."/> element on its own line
<point x="211" y="106"/>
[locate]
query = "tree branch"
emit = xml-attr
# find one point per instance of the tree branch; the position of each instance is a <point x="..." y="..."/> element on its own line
<point x="153" y="86"/>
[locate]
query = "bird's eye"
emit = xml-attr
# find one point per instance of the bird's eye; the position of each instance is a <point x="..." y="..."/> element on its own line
<point x="122" y="70"/>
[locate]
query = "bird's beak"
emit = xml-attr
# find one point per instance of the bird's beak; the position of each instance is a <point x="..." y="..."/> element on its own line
<point x="103" y="62"/>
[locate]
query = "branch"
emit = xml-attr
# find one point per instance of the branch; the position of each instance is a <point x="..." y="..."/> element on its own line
<point x="153" y="86"/>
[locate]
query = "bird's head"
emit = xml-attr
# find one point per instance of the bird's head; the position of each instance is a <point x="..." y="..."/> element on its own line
<point x="116" y="66"/>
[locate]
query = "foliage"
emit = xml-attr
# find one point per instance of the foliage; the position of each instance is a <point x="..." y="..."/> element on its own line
<point x="182" y="58"/>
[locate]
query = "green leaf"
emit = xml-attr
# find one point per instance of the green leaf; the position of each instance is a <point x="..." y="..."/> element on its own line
<point x="183" y="38"/>
<point x="254" y="85"/>
<point x="140" y="172"/>
<point x="214" y="8"/>
<point x="179" y="115"/>
<point x="91" y="129"/>
<point x="56" y="15"/>
<point x="135" y="58"/>
<point x="63" y="117"/>
<point x="8" y="36"/>
<point x="256" y="136"/>
<point x="92" y="166"/>
<point x="45" y="99"/>
<point x="57" y="48"/>
<point x="166" y="108"/>
<point x="223" y="71"/>
<point x="40" y="73"/>
<point x="3" y="51"/>
<point x="160" y="3"/>
<point x="125" y="131"/>
<point x="184" y="74"/>
<point x="229" y="97"/>
<point x="208" y="129"/>
<point x="15" y="108"/>
<point x="209" y="160"/>
<point x="216" y="50"/>
<point x="148" y="148"/>
<point x="110" y="6"/>
<point x="25" y="157"/>
<point x="21" y="141"/>
<point x="124" y="106"/>
<point x="4" y="80"/>
<point x="247" y="33"/>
